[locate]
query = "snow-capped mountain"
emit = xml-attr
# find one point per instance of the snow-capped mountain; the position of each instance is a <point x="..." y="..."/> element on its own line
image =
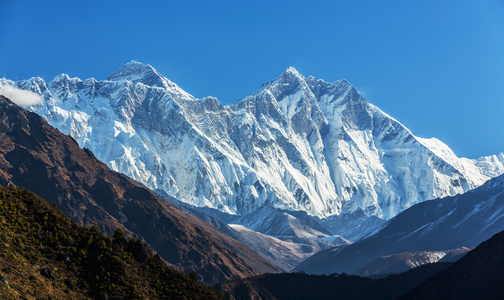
<point x="296" y="144"/>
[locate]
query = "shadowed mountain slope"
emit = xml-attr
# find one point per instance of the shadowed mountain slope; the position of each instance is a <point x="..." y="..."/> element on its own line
<point x="478" y="275"/>
<point x="342" y="287"/>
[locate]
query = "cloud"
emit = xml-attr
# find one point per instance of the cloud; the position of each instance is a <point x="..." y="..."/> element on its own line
<point x="20" y="97"/>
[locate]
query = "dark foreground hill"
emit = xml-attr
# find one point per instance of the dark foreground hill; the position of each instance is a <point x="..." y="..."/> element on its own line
<point x="45" y="255"/>
<point x="477" y="275"/>
<point x="343" y="287"/>
<point x="38" y="157"/>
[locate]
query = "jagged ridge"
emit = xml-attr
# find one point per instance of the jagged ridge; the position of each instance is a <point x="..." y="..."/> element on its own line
<point x="296" y="144"/>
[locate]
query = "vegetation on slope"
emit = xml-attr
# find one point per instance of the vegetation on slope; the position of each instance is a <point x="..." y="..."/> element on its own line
<point x="45" y="255"/>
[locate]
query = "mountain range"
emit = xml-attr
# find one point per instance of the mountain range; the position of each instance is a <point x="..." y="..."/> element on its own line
<point x="296" y="144"/>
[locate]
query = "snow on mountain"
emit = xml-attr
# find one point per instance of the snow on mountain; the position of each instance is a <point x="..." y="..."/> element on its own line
<point x="296" y="144"/>
<point x="285" y="254"/>
<point x="402" y="262"/>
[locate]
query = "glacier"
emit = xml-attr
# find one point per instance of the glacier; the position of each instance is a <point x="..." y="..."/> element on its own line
<point x="296" y="144"/>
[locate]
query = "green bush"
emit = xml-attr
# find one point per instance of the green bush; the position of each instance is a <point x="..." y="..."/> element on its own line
<point x="95" y="229"/>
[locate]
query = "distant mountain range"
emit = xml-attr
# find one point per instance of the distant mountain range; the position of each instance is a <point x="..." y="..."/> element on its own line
<point x="478" y="275"/>
<point x="437" y="225"/>
<point x="296" y="144"/>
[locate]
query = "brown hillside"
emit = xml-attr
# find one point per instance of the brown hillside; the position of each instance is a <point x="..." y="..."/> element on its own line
<point x="44" y="255"/>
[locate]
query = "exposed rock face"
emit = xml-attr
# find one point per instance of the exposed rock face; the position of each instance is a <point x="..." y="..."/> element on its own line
<point x="141" y="252"/>
<point x="4" y="280"/>
<point x="38" y="157"/>
<point x="296" y="144"/>
<point x="47" y="273"/>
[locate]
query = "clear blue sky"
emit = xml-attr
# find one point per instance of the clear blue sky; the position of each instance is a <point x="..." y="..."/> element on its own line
<point x="436" y="67"/>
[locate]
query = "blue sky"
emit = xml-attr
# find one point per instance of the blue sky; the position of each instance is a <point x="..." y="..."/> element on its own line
<point x="436" y="66"/>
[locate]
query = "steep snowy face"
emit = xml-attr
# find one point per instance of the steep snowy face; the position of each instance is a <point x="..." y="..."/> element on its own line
<point x="379" y="166"/>
<point x="279" y="135"/>
<point x="295" y="144"/>
<point x="158" y="135"/>
<point x="334" y="152"/>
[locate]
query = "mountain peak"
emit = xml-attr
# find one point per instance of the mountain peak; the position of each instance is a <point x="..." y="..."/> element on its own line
<point x="135" y="71"/>
<point x="65" y="78"/>
<point x="290" y="75"/>
<point x="292" y="70"/>
<point x="61" y="77"/>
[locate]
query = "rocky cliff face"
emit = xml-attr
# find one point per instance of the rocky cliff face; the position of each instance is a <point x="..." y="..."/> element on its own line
<point x="296" y="144"/>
